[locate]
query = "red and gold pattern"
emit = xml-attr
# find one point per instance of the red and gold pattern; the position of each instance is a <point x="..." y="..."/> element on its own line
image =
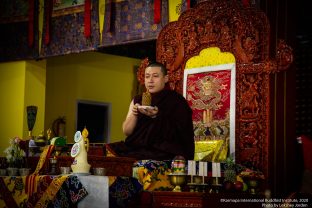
<point x="51" y="191"/>
<point x="209" y="91"/>
<point x="42" y="160"/>
<point x="46" y="185"/>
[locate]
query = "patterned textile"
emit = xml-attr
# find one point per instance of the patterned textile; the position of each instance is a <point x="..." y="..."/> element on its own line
<point x="120" y="16"/>
<point x="67" y="31"/>
<point x="153" y="175"/>
<point x="43" y="156"/>
<point x="71" y="192"/>
<point x="123" y="190"/>
<point x="212" y="150"/>
<point x="209" y="87"/>
<point x="208" y="94"/>
<point x="109" y="151"/>
<point x="51" y="191"/>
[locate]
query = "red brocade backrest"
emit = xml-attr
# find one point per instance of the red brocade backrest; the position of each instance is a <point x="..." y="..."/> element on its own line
<point x="244" y="32"/>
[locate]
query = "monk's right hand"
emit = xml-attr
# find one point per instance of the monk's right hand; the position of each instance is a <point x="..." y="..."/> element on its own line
<point x="135" y="110"/>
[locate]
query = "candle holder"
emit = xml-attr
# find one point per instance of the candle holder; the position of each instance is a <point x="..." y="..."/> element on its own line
<point x="177" y="180"/>
<point x="197" y="184"/>
<point x="216" y="185"/>
<point x="53" y="162"/>
<point x="253" y="185"/>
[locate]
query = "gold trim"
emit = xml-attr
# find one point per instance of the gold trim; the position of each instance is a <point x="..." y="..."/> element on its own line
<point x="51" y="191"/>
<point x="42" y="159"/>
<point x="284" y="126"/>
<point x="67" y="11"/>
<point x="274" y="159"/>
<point x="5" y="20"/>
<point x="210" y="57"/>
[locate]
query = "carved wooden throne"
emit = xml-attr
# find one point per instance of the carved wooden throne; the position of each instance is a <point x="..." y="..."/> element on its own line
<point x="244" y="32"/>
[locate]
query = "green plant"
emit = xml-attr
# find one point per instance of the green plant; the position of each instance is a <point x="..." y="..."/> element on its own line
<point x="230" y="170"/>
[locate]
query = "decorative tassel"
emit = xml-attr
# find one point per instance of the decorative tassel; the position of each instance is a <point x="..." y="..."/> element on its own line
<point x="188" y="2"/>
<point x="101" y="14"/>
<point x="49" y="9"/>
<point x="157" y="11"/>
<point x="87" y="18"/>
<point x="111" y="17"/>
<point x="108" y="22"/>
<point x="31" y="23"/>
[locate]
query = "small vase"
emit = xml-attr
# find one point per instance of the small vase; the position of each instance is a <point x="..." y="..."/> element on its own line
<point x="12" y="171"/>
<point x="253" y="185"/>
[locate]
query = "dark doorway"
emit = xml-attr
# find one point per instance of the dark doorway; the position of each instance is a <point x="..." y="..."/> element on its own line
<point x="96" y="117"/>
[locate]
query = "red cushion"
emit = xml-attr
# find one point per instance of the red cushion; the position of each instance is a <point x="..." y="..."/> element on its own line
<point x="307" y="151"/>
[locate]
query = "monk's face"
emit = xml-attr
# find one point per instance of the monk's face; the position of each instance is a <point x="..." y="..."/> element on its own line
<point x="155" y="80"/>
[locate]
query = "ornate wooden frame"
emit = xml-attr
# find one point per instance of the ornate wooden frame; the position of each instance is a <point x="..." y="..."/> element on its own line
<point x="245" y="33"/>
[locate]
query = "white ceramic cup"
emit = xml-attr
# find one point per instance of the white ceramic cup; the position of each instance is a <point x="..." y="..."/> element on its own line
<point x="65" y="170"/>
<point x="24" y="171"/>
<point x="3" y="172"/>
<point x="99" y="171"/>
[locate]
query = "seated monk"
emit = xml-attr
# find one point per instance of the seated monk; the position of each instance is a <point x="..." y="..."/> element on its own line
<point x="162" y="131"/>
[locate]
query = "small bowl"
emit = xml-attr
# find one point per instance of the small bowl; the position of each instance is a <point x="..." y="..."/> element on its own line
<point x="24" y="171"/>
<point x="198" y="179"/>
<point x="3" y="172"/>
<point x="65" y="170"/>
<point x="12" y="171"/>
<point x="177" y="180"/>
<point x="99" y="171"/>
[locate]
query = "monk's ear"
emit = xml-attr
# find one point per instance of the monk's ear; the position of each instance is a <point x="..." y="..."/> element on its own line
<point x="166" y="78"/>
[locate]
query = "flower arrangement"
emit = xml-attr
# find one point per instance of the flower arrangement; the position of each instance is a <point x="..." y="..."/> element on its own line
<point x="14" y="154"/>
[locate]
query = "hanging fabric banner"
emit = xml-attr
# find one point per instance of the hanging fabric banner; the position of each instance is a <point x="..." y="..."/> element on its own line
<point x="40" y="22"/>
<point x="101" y="17"/>
<point x="31" y="14"/>
<point x="157" y="11"/>
<point x="87" y="19"/>
<point x="109" y="6"/>
<point x="112" y="16"/>
<point x="188" y="4"/>
<point x="48" y="15"/>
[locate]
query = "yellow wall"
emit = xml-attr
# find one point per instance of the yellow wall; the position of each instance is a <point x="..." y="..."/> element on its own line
<point x="35" y="85"/>
<point x="89" y="76"/>
<point x="22" y="83"/>
<point x="55" y="85"/>
<point x="12" y="82"/>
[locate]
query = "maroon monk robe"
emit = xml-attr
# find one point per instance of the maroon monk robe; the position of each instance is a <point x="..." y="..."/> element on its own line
<point x="164" y="137"/>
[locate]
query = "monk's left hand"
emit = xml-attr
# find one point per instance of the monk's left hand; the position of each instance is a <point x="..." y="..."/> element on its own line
<point x="151" y="112"/>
